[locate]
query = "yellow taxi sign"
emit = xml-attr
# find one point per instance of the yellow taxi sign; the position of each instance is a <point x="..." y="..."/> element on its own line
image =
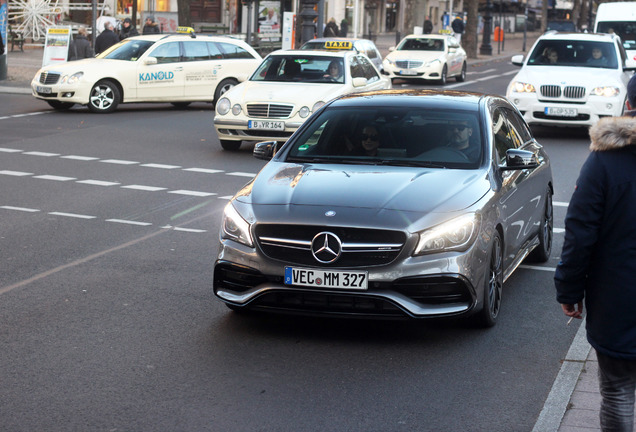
<point x="183" y="29"/>
<point x="339" y="45"/>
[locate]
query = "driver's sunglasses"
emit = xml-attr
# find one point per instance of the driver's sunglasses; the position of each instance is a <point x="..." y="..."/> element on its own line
<point x="460" y="128"/>
<point x="369" y="137"/>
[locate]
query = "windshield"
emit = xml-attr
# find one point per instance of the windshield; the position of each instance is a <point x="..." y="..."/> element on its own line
<point x="296" y="68"/>
<point x="129" y="50"/>
<point x="574" y="53"/>
<point x="421" y="44"/>
<point x="406" y="136"/>
<point x="625" y="29"/>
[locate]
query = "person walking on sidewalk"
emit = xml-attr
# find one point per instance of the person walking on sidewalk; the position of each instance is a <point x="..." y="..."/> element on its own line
<point x="598" y="262"/>
<point x="80" y="47"/>
<point x="106" y="39"/>
<point x="458" y="28"/>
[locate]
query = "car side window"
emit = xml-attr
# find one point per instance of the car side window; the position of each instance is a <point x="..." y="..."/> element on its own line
<point x="518" y="126"/>
<point x="370" y="50"/>
<point x="167" y="53"/>
<point x="231" y="51"/>
<point x="195" y="51"/>
<point x="504" y="139"/>
<point x="215" y="51"/>
<point x="356" y="68"/>
<point x="369" y="72"/>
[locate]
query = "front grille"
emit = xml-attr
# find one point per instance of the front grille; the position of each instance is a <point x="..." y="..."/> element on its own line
<point x="360" y="247"/>
<point x="555" y="91"/>
<point x="409" y="64"/>
<point x="49" y="78"/>
<point x="269" y="110"/>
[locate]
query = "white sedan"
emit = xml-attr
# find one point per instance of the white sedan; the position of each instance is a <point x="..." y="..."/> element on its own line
<point x="429" y="57"/>
<point x="286" y="89"/>
<point x="176" y="68"/>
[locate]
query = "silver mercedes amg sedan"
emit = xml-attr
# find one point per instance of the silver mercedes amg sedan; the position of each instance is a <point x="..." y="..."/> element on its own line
<point x="390" y="204"/>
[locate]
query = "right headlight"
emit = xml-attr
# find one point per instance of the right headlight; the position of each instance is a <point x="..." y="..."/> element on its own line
<point x="223" y="106"/>
<point x="521" y="87"/>
<point x="454" y="235"/>
<point x="234" y="227"/>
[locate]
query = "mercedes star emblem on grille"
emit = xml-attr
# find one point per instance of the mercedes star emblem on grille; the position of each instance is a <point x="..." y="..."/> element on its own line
<point x="326" y="247"/>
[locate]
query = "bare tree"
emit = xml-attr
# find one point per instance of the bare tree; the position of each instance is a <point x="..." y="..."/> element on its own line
<point x="544" y="15"/>
<point x="470" y="37"/>
<point x="184" y="13"/>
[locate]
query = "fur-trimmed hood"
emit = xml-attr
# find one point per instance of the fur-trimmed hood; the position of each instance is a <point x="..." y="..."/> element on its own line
<point x="611" y="133"/>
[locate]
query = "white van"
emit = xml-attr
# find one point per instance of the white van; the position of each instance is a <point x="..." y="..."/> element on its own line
<point x="619" y="18"/>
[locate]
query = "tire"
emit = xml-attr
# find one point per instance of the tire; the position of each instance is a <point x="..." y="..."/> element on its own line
<point x="230" y="145"/>
<point x="493" y="285"/>
<point x="60" y="106"/>
<point x="462" y="75"/>
<point x="541" y="253"/>
<point x="444" y="77"/>
<point x="104" y="97"/>
<point x="180" y="105"/>
<point x="224" y="86"/>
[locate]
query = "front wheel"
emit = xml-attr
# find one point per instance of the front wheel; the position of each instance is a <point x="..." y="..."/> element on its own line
<point x="444" y="77"/>
<point x="542" y="252"/>
<point x="60" y="106"/>
<point x="462" y="75"/>
<point x="230" y="145"/>
<point x="493" y="286"/>
<point x="104" y="97"/>
<point x="223" y="87"/>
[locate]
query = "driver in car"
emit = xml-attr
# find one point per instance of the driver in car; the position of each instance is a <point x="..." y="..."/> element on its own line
<point x="458" y="138"/>
<point x="334" y="71"/>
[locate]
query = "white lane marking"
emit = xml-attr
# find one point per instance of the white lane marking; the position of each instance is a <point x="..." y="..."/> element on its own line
<point x="55" y="178"/>
<point x="191" y="193"/>
<point x="560" y="204"/>
<point x="98" y="182"/>
<point x="9" y="150"/>
<point x="529" y="267"/>
<point x="451" y="86"/>
<point x="79" y="158"/>
<point x="154" y="165"/>
<point x="123" y="221"/>
<point x="118" y="162"/>
<point x="481" y="72"/>
<point x="15" y="173"/>
<point x="241" y="174"/>
<point x="226" y="197"/>
<point x="28" y="114"/>
<point x="37" y="153"/>
<point x="192" y="230"/>
<point x="30" y="210"/>
<point x="203" y="170"/>
<point x="144" y="188"/>
<point x="558" y="230"/>
<point x="72" y="215"/>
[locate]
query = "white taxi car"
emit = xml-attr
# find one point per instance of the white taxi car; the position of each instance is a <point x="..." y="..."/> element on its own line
<point x="431" y="57"/>
<point x="571" y="79"/>
<point x="286" y="88"/>
<point x="176" y="68"/>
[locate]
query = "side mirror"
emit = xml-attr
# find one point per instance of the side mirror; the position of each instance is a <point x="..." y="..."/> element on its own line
<point x="520" y="159"/>
<point x="452" y="50"/>
<point x="359" y="82"/>
<point x="517" y="60"/>
<point x="391" y="49"/>
<point x="150" y="61"/>
<point x="630" y="65"/>
<point x="265" y="150"/>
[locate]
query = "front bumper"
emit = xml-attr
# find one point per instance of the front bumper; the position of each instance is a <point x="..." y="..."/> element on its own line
<point x="433" y="72"/>
<point x="60" y="92"/>
<point x="589" y="111"/>
<point x="409" y="287"/>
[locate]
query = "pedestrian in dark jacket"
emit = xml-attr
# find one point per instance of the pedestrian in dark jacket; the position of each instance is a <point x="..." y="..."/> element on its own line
<point x="80" y="47"/>
<point x="106" y="39"/>
<point x="1" y="45"/>
<point x="344" y="28"/>
<point x="331" y="29"/>
<point x="458" y="28"/>
<point x="128" y="29"/>
<point x="150" y="27"/>
<point x="428" y="26"/>
<point x="598" y="263"/>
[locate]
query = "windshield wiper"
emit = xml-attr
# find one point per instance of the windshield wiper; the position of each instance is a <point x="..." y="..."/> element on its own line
<point x="408" y="163"/>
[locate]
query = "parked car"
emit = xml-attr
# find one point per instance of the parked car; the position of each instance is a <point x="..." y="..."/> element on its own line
<point x="286" y="89"/>
<point x="176" y="68"/>
<point x="561" y="83"/>
<point x="390" y="204"/>
<point x="428" y="57"/>
<point x="363" y="46"/>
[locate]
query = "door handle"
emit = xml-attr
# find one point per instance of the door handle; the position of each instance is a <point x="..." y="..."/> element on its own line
<point x="178" y="69"/>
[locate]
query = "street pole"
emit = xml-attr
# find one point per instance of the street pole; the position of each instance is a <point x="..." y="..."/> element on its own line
<point x="307" y="14"/>
<point x="94" y="23"/>
<point x="486" y="48"/>
<point x="525" y="29"/>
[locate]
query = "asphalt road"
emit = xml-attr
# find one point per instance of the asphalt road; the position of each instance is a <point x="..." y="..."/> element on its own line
<point x="108" y="232"/>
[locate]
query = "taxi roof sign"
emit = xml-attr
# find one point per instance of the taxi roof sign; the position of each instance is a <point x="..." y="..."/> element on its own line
<point x="183" y="29"/>
<point x="339" y="45"/>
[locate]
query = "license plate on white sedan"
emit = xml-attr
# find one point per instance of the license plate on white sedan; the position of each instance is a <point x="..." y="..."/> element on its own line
<point x="263" y="124"/>
<point x="45" y="90"/>
<point x="408" y="72"/>
<point x="352" y="280"/>
<point x="561" y="112"/>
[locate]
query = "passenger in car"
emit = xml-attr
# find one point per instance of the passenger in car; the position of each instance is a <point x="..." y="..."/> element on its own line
<point x="550" y="56"/>
<point x="597" y="59"/>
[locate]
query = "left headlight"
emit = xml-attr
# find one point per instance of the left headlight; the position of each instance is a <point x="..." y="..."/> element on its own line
<point x="454" y="235"/>
<point x="234" y="227"/>
<point x="72" y="79"/>
<point x="607" y="91"/>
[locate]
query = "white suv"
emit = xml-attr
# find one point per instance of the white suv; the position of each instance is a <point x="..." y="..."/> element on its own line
<point x="571" y="79"/>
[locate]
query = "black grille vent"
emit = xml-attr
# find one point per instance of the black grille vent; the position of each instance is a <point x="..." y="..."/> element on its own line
<point x="49" y="78"/>
<point x="269" y="110"/>
<point x="360" y="247"/>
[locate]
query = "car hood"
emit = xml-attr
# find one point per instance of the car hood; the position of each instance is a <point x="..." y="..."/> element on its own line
<point x="305" y="191"/>
<point x="564" y="75"/>
<point x="296" y="93"/>
<point x="87" y="65"/>
<point x="415" y="55"/>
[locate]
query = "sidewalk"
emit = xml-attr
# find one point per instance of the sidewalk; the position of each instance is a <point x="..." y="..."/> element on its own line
<point x="574" y="401"/>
